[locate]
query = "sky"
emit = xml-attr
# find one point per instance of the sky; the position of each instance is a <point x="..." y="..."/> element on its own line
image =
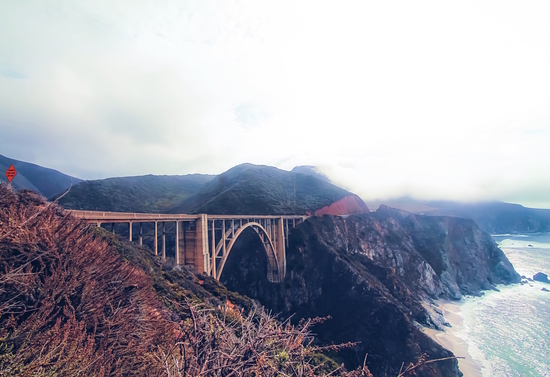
<point x="428" y="99"/>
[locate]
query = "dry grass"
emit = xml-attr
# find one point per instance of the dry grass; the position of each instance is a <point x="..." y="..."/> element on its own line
<point x="69" y="305"/>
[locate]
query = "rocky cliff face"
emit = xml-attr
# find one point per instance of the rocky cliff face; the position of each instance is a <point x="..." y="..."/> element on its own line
<point x="375" y="275"/>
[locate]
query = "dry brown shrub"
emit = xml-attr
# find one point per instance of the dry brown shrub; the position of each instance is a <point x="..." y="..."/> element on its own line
<point x="214" y="343"/>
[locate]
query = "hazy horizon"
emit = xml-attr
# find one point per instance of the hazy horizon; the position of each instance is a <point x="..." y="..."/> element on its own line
<point x="407" y="201"/>
<point x="443" y="101"/>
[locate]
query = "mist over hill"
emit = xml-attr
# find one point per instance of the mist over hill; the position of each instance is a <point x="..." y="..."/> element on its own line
<point x="493" y="217"/>
<point x="257" y="189"/>
<point x="311" y="170"/>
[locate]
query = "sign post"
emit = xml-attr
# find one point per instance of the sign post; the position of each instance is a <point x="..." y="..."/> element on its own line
<point x="10" y="173"/>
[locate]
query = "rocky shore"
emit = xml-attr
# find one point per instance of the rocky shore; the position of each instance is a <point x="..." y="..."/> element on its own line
<point x="452" y="337"/>
<point x="377" y="275"/>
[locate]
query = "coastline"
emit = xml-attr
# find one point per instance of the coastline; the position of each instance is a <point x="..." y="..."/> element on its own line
<point x="451" y="339"/>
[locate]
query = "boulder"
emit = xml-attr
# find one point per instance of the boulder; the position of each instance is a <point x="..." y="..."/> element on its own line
<point x="539" y="276"/>
<point x="545" y="290"/>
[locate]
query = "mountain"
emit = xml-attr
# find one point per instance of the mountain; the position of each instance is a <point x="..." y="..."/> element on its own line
<point x="493" y="217"/>
<point x="498" y="217"/>
<point x="256" y="189"/>
<point x="34" y="177"/>
<point x="376" y="275"/>
<point x="147" y="193"/>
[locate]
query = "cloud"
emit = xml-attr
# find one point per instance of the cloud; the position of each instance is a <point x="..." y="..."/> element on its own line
<point x="430" y="100"/>
<point x="11" y="73"/>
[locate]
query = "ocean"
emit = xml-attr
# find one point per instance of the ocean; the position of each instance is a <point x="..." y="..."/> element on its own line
<point x="508" y="332"/>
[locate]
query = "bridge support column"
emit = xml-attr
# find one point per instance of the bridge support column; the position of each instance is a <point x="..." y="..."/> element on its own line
<point x="113" y="228"/>
<point x="156" y="239"/>
<point x="163" y="239"/>
<point x="177" y="243"/>
<point x="130" y="231"/>
<point x="140" y="234"/>
<point x="213" y="271"/>
<point x="223" y="239"/>
<point x="280" y="248"/>
<point x="286" y="232"/>
<point x="202" y="257"/>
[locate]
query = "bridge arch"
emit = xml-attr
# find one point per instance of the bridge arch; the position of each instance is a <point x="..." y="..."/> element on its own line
<point x="275" y="269"/>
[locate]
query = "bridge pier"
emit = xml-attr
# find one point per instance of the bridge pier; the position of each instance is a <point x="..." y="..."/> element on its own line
<point x="177" y="243"/>
<point x="286" y="233"/>
<point x="202" y="257"/>
<point x="213" y="270"/>
<point x="156" y="239"/>
<point x="130" y="231"/>
<point x="163" y="240"/>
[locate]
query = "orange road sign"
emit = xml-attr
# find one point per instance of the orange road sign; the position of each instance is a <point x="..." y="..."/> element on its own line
<point x="10" y="173"/>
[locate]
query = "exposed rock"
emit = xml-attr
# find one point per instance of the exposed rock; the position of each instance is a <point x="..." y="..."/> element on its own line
<point x="348" y="205"/>
<point x="539" y="276"/>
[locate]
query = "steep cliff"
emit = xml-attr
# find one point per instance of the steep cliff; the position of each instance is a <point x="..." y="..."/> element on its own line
<point x="375" y="274"/>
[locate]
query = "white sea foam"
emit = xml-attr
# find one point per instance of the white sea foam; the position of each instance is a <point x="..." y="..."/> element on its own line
<point x="508" y="332"/>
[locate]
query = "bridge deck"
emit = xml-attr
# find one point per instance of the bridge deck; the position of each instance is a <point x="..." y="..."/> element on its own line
<point x="108" y="217"/>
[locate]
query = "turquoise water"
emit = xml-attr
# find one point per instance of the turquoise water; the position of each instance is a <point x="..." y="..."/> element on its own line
<point x="508" y="332"/>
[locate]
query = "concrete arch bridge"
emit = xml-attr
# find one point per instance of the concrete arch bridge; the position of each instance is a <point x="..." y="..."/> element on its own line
<point x="203" y="241"/>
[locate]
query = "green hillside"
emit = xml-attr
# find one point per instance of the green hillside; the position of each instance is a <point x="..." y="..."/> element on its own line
<point x="42" y="180"/>
<point x="256" y="189"/>
<point x="148" y="193"/>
